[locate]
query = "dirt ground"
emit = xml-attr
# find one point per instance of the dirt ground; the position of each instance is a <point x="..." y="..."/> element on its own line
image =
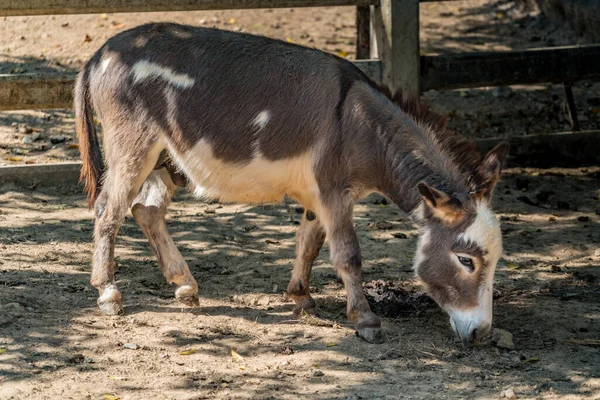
<point x="64" y="43"/>
<point x="55" y="343"/>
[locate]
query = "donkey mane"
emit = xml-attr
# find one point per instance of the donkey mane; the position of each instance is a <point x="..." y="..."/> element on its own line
<point x="461" y="152"/>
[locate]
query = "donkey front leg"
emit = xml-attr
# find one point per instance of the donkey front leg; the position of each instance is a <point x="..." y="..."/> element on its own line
<point x="345" y="255"/>
<point x="149" y="209"/>
<point x="309" y="240"/>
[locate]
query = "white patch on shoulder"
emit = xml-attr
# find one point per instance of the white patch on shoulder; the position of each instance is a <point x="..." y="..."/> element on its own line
<point x="254" y="181"/>
<point x="104" y="65"/>
<point x="485" y="232"/>
<point x="147" y="70"/>
<point x="262" y="119"/>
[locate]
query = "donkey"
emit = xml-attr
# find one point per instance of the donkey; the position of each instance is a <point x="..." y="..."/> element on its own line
<point x="244" y="118"/>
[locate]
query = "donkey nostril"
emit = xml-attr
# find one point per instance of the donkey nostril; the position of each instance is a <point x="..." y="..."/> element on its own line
<point x="473" y="335"/>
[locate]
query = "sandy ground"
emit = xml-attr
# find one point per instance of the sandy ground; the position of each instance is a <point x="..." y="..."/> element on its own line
<point x="64" y="43"/>
<point x="55" y="343"/>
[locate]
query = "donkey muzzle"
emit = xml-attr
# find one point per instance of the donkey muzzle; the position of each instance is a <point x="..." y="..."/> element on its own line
<point x="470" y="326"/>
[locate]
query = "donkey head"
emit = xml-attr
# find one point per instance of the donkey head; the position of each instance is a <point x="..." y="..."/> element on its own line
<point x="459" y="247"/>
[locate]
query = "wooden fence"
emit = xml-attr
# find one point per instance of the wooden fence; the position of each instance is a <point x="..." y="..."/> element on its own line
<point x="394" y="50"/>
<point x="390" y="26"/>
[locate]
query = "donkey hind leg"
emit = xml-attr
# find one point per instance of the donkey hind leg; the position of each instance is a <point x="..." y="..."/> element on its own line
<point x="149" y="209"/>
<point x="345" y="255"/>
<point x="122" y="183"/>
<point x="309" y="240"/>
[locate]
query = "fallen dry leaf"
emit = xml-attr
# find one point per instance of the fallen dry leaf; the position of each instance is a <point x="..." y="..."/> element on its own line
<point x="188" y="352"/>
<point x="110" y="397"/>
<point x="236" y="356"/>
<point x="88" y="38"/>
<point x="15" y="159"/>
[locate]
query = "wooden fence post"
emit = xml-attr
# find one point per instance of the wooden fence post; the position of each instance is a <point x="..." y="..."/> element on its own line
<point x="395" y="41"/>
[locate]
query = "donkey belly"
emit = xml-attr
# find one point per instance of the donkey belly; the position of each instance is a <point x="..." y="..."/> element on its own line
<point x="257" y="180"/>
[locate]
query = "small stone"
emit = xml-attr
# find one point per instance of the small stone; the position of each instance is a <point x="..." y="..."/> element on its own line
<point x="36" y="135"/>
<point x="275" y="288"/>
<point x="286" y="350"/>
<point x="400" y="235"/>
<point x="202" y="22"/>
<point x="27" y="139"/>
<point x="508" y="394"/>
<point x="57" y="139"/>
<point x="317" y="372"/>
<point x="76" y="359"/>
<point x="503" y="339"/>
<point x="307" y="335"/>
<point x="130" y="346"/>
<point x="384" y="225"/>
<point x="22" y="128"/>
<point x="264" y="301"/>
<point x="597" y="253"/>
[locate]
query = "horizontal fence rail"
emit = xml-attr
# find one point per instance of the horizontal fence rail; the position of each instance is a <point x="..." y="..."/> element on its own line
<point x="439" y="72"/>
<point x="54" y="90"/>
<point x="554" y="65"/>
<point x="49" y="7"/>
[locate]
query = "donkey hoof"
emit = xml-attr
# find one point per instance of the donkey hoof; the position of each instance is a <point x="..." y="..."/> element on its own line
<point x="307" y="305"/>
<point x="371" y="335"/>
<point x="190" y="301"/>
<point x="188" y="295"/>
<point x="111" y="307"/>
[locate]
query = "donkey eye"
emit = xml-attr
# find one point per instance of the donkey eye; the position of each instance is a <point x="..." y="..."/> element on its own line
<point x="467" y="262"/>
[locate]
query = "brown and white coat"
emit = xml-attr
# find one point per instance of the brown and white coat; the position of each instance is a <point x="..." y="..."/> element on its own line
<point x="244" y="118"/>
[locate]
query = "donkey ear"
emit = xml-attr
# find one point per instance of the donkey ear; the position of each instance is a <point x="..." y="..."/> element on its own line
<point x="490" y="169"/>
<point x="442" y="206"/>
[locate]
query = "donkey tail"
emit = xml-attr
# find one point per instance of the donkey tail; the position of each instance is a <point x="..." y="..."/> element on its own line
<point x="89" y="149"/>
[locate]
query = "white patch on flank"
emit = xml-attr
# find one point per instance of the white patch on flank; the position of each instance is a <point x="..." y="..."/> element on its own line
<point x="146" y="70"/>
<point x="262" y="119"/>
<point x="104" y="65"/>
<point x="255" y="181"/>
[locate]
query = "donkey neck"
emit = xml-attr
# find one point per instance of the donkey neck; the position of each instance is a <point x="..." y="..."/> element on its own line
<point x="410" y="151"/>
